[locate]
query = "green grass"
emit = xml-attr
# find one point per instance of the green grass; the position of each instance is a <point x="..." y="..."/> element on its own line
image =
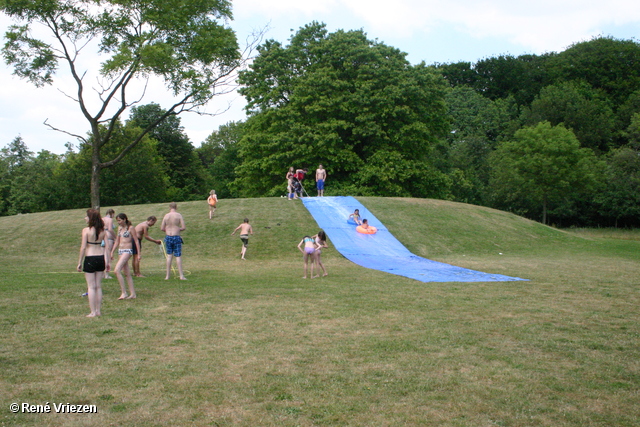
<point x="253" y="344"/>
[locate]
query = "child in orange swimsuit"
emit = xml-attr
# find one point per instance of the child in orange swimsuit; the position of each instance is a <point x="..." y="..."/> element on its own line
<point x="213" y="201"/>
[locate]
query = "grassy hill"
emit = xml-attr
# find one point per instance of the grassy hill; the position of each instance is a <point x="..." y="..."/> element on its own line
<point x="251" y="343"/>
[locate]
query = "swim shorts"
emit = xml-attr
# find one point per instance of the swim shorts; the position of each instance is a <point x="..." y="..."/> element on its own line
<point x="173" y="245"/>
<point x="320" y="184"/>
<point x="134" y="248"/>
<point x="308" y="250"/>
<point x="93" y="263"/>
<point x="245" y="239"/>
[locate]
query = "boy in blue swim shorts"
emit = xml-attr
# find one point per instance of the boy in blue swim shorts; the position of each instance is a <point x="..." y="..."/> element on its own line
<point x="173" y="245"/>
<point x="321" y="176"/>
<point x="173" y="225"/>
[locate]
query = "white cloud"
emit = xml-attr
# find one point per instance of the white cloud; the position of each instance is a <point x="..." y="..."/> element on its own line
<point x="550" y="26"/>
<point x="430" y="30"/>
<point x="541" y="26"/>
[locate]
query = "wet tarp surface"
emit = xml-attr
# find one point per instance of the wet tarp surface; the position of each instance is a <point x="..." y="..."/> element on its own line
<point x="382" y="251"/>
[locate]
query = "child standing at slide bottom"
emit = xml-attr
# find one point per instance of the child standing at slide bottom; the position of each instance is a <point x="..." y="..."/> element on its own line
<point x="321" y="242"/>
<point x="245" y="230"/>
<point x="307" y="253"/>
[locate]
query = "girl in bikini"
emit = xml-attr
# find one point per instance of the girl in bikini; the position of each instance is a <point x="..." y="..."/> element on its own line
<point x="307" y="253"/>
<point x="128" y="246"/>
<point x="96" y="259"/>
<point x="321" y="242"/>
<point x="356" y="217"/>
<point x="289" y="178"/>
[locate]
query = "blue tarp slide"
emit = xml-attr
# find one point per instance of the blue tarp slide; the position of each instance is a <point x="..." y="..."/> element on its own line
<point x="382" y="251"/>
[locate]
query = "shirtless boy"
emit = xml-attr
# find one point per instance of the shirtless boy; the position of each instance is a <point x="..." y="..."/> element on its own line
<point x="173" y="225"/>
<point x="110" y="236"/>
<point x="245" y="230"/>
<point x="321" y="176"/>
<point x="142" y="230"/>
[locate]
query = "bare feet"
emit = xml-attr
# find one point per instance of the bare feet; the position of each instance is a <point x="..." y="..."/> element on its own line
<point x="123" y="296"/>
<point x="183" y="278"/>
<point x="325" y="274"/>
<point x="313" y="277"/>
<point x="131" y="297"/>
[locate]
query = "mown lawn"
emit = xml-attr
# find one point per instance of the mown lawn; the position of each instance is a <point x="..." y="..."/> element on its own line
<point x="250" y="343"/>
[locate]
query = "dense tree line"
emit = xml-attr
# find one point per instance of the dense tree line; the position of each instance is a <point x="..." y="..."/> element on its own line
<point x="554" y="137"/>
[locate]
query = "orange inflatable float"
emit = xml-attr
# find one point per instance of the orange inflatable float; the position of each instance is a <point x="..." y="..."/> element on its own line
<point x="369" y="230"/>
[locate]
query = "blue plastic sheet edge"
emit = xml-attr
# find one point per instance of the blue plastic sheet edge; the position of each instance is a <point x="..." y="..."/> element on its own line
<point x="382" y="251"/>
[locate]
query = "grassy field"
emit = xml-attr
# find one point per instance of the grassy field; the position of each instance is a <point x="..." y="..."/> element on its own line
<point x="250" y="343"/>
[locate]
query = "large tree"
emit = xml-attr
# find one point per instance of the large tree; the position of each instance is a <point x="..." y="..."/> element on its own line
<point x="542" y="165"/>
<point x="186" y="44"/>
<point x="355" y="105"/>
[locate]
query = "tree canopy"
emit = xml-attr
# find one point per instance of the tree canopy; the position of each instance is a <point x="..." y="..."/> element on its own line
<point x="185" y="44"/>
<point x="542" y="165"/>
<point x="354" y="105"/>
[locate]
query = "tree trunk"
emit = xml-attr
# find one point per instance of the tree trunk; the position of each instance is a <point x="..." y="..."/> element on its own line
<point x="544" y="210"/>
<point x="95" y="177"/>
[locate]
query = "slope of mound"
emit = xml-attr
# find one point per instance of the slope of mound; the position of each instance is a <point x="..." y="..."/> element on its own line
<point x="381" y="250"/>
<point x="432" y="229"/>
<point x="438" y="228"/>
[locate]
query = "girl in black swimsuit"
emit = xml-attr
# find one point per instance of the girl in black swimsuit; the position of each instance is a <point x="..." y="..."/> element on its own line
<point x="96" y="259"/>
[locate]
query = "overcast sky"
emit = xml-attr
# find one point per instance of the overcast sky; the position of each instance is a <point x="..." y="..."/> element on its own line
<point x="427" y="30"/>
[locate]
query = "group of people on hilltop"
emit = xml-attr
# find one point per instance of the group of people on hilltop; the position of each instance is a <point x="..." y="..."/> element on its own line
<point x="294" y="179"/>
<point x="101" y="238"/>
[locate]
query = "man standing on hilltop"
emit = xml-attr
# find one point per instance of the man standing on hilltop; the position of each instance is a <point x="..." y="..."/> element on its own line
<point x="172" y="225"/>
<point x="321" y="176"/>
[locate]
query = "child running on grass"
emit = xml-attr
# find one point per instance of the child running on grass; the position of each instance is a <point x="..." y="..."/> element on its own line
<point x="245" y="230"/>
<point x="213" y="201"/>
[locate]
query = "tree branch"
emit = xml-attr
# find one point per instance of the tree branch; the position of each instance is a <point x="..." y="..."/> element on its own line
<point x="83" y="139"/>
